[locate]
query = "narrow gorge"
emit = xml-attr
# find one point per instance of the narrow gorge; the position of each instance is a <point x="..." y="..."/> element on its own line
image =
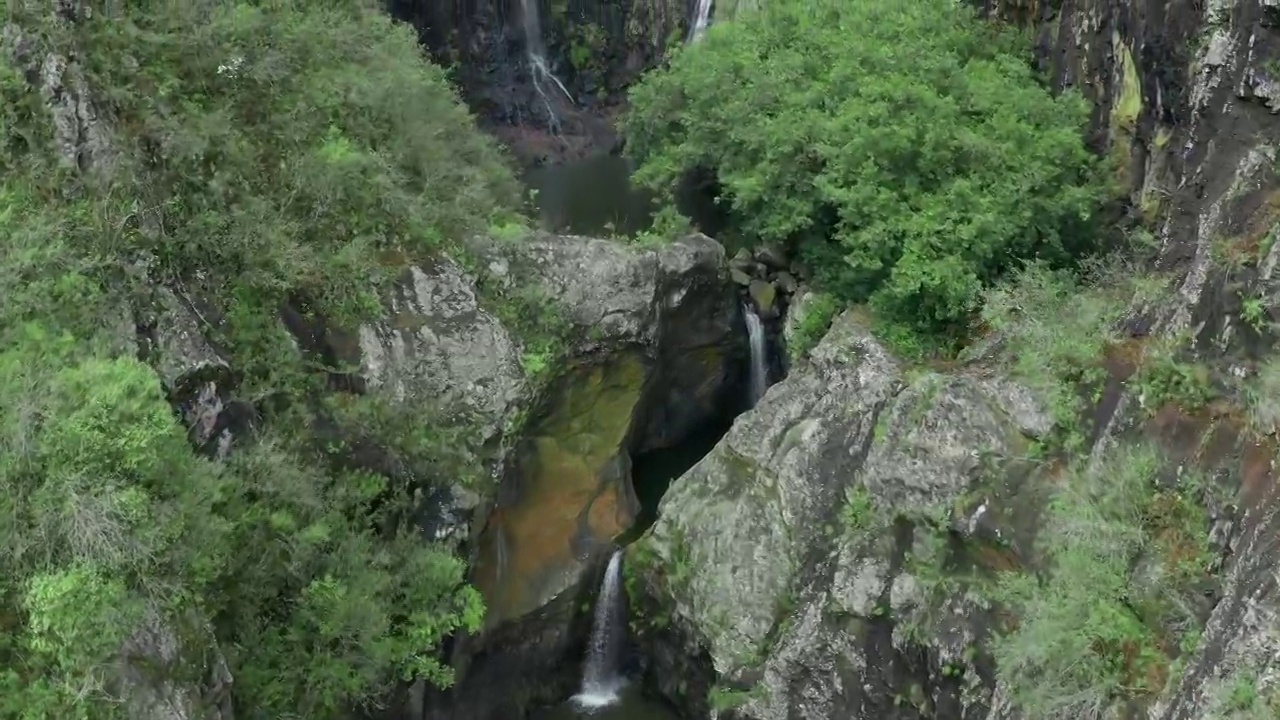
<point x="640" y="360"/>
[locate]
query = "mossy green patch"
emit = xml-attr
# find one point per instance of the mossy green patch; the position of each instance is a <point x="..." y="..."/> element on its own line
<point x="567" y="472"/>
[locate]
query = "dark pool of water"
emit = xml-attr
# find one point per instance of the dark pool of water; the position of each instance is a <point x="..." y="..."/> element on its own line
<point x="631" y="705"/>
<point x="595" y="196"/>
<point x="589" y="197"/>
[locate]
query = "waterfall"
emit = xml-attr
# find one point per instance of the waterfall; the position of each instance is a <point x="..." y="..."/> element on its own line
<point x="759" y="354"/>
<point x="701" y="19"/>
<point x="601" y="678"/>
<point x="537" y="55"/>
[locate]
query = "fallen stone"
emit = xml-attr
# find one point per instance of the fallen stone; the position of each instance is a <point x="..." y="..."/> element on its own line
<point x="765" y="297"/>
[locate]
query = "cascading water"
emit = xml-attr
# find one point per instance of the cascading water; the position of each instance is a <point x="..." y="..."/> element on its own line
<point x="537" y="55"/>
<point x="759" y="354"/>
<point x="601" y="677"/>
<point x="701" y="20"/>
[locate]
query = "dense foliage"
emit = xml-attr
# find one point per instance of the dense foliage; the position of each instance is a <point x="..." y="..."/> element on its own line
<point x="262" y="155"/>
<point x="906" y="150"/>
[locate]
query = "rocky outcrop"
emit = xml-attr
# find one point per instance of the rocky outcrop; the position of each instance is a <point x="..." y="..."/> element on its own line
<point x="437" y="342"/>
<point x="154" y="650"/>
<point x="1185" y="106"/>
<point x="783" y="555"/>
<point x="654" y="349"/>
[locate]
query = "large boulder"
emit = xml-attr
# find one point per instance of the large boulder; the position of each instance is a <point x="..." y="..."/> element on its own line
<point x="655" y="336"/>
<point x="779" y="558"/>
<point x="655" y="342"/>
<point x="437" y="345"/>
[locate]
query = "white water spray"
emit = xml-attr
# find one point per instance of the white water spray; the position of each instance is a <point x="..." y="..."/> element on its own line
<point x="537" y="55"/>
<point x="701" y="20"/>
<point x="759" y="356"/>
<point x="601" y="677"/>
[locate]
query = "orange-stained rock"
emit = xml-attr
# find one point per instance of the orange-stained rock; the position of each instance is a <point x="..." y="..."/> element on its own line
<point x="571" y="490"/>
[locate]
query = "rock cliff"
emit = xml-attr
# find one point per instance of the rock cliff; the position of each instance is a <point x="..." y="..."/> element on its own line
<point x="655" y="345"/>
<point x="803" y="555"/>
<point x="596" y="48"/>
<point x="1186" y="104"/>
<point x="859" y="515"/>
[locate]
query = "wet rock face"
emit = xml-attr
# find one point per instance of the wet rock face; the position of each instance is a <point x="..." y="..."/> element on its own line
<point x="653" y="359"/>
<point x="783" y="554"/>
<point x="595" y="48"/>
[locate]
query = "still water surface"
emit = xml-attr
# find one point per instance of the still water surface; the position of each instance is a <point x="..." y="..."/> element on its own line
<point x="589" y="197"/>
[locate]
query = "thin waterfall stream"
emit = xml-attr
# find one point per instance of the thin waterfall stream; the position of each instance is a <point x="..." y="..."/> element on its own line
<point x="759" y="354"/>
<point x="701" y="20"/>
<point x="537" y="55"/>
<point x="602" y="670"/>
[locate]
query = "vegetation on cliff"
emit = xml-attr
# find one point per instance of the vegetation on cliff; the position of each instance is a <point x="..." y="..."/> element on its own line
<point x="909" y="153"/>
<point x="259" y="156"/>
<point x="906" y="150"/>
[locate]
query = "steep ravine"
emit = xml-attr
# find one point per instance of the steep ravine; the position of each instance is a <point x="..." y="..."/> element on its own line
<point x="821" y="554"/>
<point x="657" y="352"/>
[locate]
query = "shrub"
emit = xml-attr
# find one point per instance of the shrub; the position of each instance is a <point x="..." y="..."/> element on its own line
<point x="907" y="150"/>
<point x="267" y="153"/>
<point x="819" y="310"/>
<point x="1122" y="555"/>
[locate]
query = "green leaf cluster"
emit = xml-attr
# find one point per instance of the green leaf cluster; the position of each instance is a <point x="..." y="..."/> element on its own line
<point x="263" y="155"/>
<point x="1124" y="554"/>
<point x="907" y="150"/>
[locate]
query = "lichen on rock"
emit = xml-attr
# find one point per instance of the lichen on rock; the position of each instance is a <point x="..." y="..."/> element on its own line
<point x="805" y="553"/>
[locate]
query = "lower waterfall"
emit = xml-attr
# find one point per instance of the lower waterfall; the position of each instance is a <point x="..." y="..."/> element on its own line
<point x="601" y="672"/>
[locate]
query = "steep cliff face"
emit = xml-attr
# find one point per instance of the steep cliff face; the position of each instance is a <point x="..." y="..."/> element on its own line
<point x="596" y="48"/>
<point x="834" y="556"/>
<point x="1186" y="96"/>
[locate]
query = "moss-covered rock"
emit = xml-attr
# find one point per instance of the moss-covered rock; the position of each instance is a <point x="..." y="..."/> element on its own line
<point x="800" y="554"/>
<point x="572" y="491"/>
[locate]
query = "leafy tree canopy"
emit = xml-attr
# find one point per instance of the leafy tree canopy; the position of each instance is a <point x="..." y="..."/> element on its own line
<point x="261" y="154"/>
<point x="906" y="150"/>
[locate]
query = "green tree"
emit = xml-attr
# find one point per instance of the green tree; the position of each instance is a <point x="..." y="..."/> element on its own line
<point x="906" y="150"/>
<point x="264" y="154"/>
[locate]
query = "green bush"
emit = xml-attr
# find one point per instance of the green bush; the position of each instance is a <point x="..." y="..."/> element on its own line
<point x="1123" y="553"/>
<point x="819" y="310"/>
<point x="265" y="153"/>
<point x="906" y="150"/>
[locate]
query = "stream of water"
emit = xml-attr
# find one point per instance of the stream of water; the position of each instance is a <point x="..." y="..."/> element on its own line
<point x="601" y="670"/>
<point x="537" y="55"/>
<point x="701" y="20"/>
<point x="605" y="693"/>
<point x="759" y="354"/>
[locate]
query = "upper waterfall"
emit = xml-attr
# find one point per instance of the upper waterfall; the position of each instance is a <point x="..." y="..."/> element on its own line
<point x="701" y="20"/>
<point x="537" y="56"/>
<point x="759" y="353"/>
